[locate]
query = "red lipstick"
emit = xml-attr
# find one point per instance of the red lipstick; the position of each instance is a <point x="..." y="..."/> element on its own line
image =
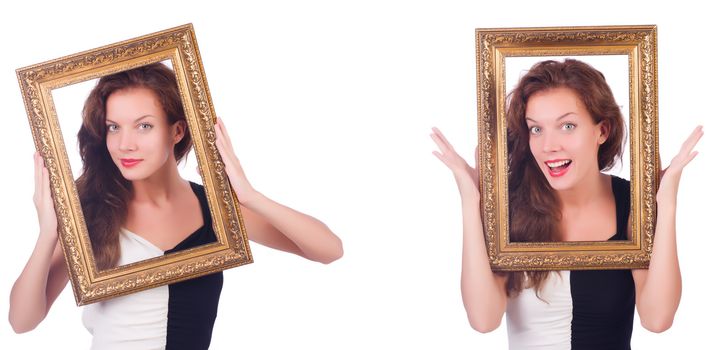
<point x="129" y="162"/>
<point x="558" y="167"/>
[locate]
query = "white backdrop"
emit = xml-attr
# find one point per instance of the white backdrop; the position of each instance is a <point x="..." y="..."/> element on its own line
<point x="329" y="105"/>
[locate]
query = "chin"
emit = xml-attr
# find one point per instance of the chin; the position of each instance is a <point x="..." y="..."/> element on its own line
<point x="561" y="183"/>
<point x="132" y="175"/>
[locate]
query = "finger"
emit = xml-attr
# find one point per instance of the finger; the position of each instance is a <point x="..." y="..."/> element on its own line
<point x="46" y="188"/>
<point x="441" y="136"/>
<point x="440" y="144"/>
<point x="218" y="134"/>
<point x="436" y="133"/>
<point x="687" y="153"/>
<point x="220" y="143"/>
<point x="229" y="159"/>
<point x="690" y="158"/>
<point x="692" y="140"/>
<point x="223" y="129"/>
<point x="443" y="159"/>
<point x="218" y="130"/>
<point x="220" y="140"/>
<point x="38" y="172"/>
<point x="226" y="161"/>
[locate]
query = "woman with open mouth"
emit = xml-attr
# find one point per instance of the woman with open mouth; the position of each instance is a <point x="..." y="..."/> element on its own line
<point x="564" y="129"/>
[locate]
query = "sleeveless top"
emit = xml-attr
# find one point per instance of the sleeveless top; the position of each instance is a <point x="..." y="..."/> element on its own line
<point x="176" y="316"/>
<point x="586" y="309"/>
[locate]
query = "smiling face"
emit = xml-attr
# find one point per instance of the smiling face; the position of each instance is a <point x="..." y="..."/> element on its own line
<point x="138" y="135"/>
<point x="564" y="139"/>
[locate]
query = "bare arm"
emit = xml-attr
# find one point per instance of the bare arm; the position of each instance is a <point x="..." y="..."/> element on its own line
<point x="658" y="289"/>
<point x="483" y="292"/>
<point x="274" y="224"/>
<point x="45" y="274"/>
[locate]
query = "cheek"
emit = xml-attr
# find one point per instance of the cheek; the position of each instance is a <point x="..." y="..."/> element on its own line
<point x="585" y="146"/>
<point x="165" y="144"/>
<point x="590" y="142"/>
<point x="111" y="145"/>
<point x="535" y="146"/>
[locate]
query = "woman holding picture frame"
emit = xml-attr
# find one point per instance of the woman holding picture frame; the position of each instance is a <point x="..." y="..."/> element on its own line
<point x="132" y="138"/>
<point x="564" y="127"/>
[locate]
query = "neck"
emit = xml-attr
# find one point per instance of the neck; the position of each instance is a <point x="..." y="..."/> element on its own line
<point x="584" y="193"/>
<point x="159" y="187"/>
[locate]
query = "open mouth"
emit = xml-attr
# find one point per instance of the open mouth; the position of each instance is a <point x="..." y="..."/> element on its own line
<point x="558" y="167"/>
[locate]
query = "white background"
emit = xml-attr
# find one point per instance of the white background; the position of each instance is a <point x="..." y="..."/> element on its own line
<point x="329" y="105"/>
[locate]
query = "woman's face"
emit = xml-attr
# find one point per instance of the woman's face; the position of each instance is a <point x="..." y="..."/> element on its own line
<point x="138" y="135"/>
<point x="564" y="139"/>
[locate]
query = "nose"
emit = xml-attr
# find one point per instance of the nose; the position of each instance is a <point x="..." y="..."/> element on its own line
<point x="127" y="141"/>
<point x="551" y="142"/>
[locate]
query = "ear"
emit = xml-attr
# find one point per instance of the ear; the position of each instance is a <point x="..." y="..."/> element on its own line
<point x="604" y="131"/>
<point x="179" y="128"/>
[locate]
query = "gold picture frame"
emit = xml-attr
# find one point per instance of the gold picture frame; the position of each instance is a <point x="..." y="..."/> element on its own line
<point x="177" y="47"/>
<point x="637" y="46"/>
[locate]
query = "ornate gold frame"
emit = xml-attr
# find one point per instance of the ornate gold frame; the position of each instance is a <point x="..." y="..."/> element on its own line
<point x="178" y="45"/>
<point x="639" y="43"/>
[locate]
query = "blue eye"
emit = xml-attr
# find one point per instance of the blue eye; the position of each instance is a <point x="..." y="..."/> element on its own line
<point x="535" y="130"/>
<point x="568" y="126"/>
<point x="145" y="126"/>
<point x="111" y="127"/>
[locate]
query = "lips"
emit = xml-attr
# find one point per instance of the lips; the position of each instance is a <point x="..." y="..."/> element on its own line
<point x="130" y="162"/>
<point x="558" y="167"/>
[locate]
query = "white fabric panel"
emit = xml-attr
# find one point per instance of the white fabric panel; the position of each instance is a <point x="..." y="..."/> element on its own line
<point x="545" y="322"/>
<point x="135" y="321"/>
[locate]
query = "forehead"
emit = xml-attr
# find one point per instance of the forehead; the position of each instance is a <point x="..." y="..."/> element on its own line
<point x="132" y="103"/>
<point x="553" y="103"/>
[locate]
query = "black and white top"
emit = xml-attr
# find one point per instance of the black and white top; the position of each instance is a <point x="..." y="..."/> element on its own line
<point x="578" y="309"/>
<point x="177" y="316"/>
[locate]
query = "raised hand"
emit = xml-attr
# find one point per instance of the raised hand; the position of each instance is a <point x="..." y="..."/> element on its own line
<point x="467" y="177"/>
<point x="45" y="274"/>
<point x="671" y="176"/>
<point x="43" y="200"/>
<point x="483" y="292"/>
<point x="233" y="168"/>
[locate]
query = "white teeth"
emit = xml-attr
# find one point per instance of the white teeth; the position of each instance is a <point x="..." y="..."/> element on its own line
<point x="558" y="163"/>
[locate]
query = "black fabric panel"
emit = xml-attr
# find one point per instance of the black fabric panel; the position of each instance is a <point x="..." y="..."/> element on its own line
<point x="621" y="191"/>
<point x="192" y="310"/>
<point x="192" y="304"/>
<point x="604" y="300"/>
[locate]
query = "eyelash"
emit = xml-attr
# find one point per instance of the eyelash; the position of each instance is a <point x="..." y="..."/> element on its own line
<point x="147" y="126"/>
<point x="141" y="127"/>
<point x="535" y="130"/>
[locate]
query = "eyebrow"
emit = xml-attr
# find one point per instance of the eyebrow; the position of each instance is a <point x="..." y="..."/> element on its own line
<point x="556" y="119"/>
<point x="135" y="121"/>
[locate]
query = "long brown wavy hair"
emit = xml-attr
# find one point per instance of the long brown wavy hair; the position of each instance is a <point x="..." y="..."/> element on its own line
<point x="534" y="208"/>
<point x="103" y="192"/>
